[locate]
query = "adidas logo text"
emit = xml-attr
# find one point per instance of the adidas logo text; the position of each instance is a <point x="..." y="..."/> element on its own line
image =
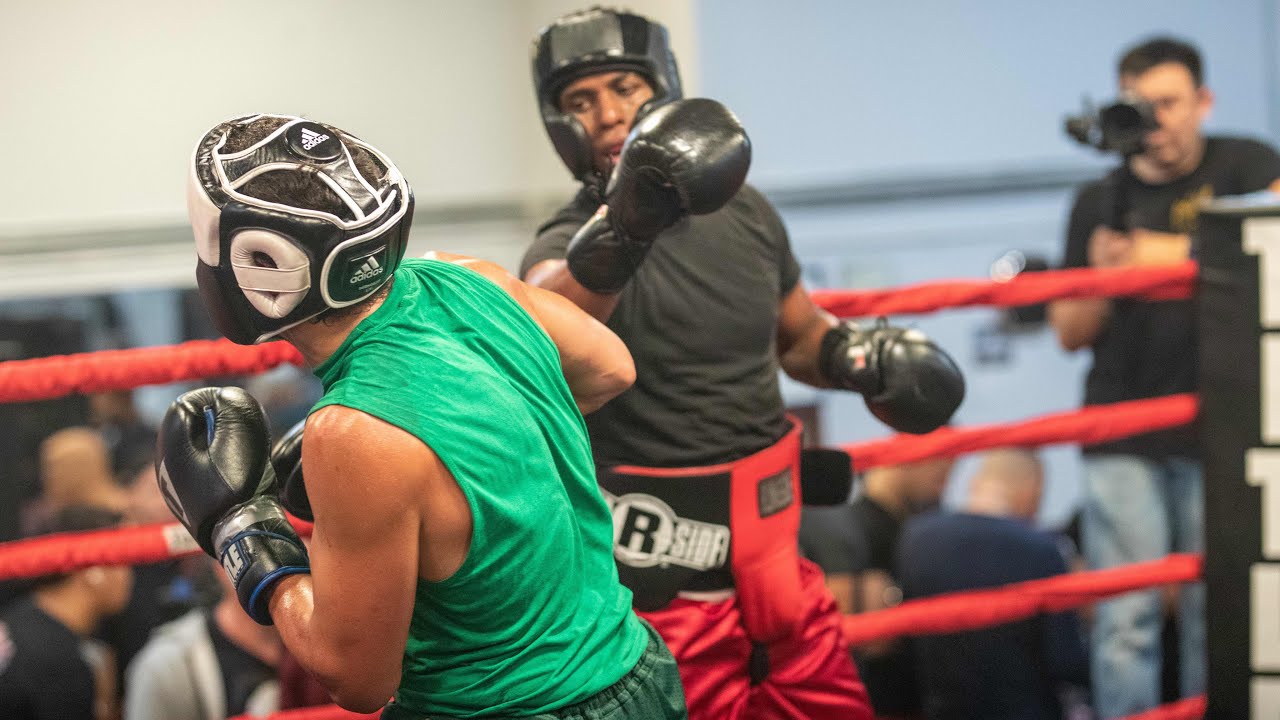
<point x="370" y="269"/>
<point x="311" y="139"/>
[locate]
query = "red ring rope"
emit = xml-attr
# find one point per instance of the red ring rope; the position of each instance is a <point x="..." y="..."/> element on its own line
<point x="150" y="543"/>
<point x="1172" y="282"/>
<point x="51" y="377"/>
<point x="45" y="378"/>
<point x="1188" y="709"/>
<point x="1087" y="426"/>
<point x="324" y="712"/>
<point x="974" y="609"/>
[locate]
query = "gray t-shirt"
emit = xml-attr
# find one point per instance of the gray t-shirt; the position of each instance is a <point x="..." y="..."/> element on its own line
<point x="700" y="318"/>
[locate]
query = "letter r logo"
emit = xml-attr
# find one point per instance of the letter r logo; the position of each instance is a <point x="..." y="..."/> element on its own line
<point x="638" y="530"/>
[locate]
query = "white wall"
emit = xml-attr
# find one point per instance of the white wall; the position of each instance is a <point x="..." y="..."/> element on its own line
<point x="102" y="102"/>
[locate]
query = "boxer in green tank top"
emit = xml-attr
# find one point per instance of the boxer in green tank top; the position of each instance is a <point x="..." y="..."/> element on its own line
<point x="461" y="559"/>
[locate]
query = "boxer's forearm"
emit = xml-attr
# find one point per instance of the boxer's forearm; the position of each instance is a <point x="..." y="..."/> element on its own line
<point x="801" y="327"/>
<point x="800" y="361"/>
<point x="554" y="275"/>
<point x="596" y="363"/>
<point x="293" y="611"/>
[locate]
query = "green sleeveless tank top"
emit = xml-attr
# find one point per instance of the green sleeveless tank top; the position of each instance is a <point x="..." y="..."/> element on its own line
<point x="535" y="618"/>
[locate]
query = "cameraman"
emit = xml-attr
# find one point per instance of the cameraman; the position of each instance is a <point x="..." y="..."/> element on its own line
<point x="1143" y="496"/>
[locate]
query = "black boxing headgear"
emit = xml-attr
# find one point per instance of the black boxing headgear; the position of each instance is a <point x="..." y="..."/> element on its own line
<point x="595" y="41"/>
<point x="266" y="266"/>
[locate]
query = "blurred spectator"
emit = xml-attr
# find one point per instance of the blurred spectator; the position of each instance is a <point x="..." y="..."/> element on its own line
<point x="32" y="333"/>
<point x="855" y="545"/>
<point x="287" y="394"/>
<point x="130" y="441"/>
<point x="209" y="664"/>
<point x="50" y="667"/>
<point x="1014" y="670"/>
<point x="162" y="591"/>
<point x="75" y="469"/>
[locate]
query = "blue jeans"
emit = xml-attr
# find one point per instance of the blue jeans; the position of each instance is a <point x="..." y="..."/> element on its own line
<point x="1137" y="509"/>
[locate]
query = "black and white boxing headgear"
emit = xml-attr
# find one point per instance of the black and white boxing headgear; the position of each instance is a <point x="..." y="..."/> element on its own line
<point x="265" y="266"/>
<point x="594" y="41"/>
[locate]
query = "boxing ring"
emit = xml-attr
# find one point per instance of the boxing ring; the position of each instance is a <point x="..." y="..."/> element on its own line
<point x="1229" y="281"/>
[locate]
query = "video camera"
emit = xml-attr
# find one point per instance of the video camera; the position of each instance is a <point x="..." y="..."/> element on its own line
<point x="1119" y="127"/>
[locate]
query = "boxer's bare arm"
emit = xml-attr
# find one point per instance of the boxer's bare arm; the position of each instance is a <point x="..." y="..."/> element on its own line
<point x="348" y="621"/>
<point x="801" y="327"/>
<point x="595" y="361"/>
<point x="554" y="275"/>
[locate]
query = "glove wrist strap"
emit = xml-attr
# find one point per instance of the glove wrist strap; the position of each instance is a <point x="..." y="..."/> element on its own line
<point x="257" y="547"/>
<point x="601" y="257"/>
<point x="845" y="359"/>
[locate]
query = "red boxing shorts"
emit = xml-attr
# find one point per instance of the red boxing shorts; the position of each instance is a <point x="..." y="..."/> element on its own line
<point x="770" y="644"/>
<point x="810" y="675"/>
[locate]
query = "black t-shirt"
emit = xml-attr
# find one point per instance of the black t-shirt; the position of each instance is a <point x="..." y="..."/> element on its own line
<point x="832" y="537"/>
<point x="852" y="538"/>
<point x="700" y="317"/>
<point x="881" y="529"/>
<point x="1011" y="671"/>
<point x="43" y="674"/>
<point x="1148" y="349"/>
<point x="242" y="673"/>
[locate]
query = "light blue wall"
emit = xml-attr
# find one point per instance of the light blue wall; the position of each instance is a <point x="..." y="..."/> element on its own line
<point x="918" y="242"/>
<point x="855" y="92"/>
<point x="832" y="88"/>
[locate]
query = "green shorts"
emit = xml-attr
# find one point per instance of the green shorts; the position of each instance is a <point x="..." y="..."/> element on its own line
<point x="650" y="691"/>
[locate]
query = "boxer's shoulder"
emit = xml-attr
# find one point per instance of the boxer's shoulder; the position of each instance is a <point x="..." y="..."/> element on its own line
<point x="341" y="437"/>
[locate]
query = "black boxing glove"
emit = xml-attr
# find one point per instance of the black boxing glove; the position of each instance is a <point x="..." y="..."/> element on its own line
<point x="688" y="157"/>
<point x="214" y="474"/>
<point x="909" y="383"/>
<point x="286" y="459"/>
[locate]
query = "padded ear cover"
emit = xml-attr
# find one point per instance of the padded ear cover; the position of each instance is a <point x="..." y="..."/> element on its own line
<point x="572" y="144"/>
<point x="276" y="288"/>
<point x="245" y="301"/>
<point x="203" y="214"/>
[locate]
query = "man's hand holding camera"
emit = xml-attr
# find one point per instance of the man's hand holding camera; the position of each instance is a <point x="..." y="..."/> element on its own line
<point x="1110" y="248"/>
<point x="1139" y="247"/>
